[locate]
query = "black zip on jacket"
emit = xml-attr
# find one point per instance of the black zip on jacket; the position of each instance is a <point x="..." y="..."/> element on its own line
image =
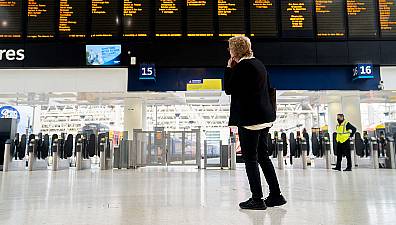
<point x="247" y="84"/>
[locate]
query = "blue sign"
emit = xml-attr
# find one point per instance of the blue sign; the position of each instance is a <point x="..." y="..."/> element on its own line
<point x="363" y="71"/>
<point x="147" y="72"/>
<point x="103" y="55"/>
<point x="9" y="112"/>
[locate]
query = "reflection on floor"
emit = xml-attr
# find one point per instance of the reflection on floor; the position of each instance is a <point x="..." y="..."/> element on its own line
<point x="177" y="195"/>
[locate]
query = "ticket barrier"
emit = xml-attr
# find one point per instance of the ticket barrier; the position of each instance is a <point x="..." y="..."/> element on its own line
<point x="279" y="148"/>
<point x="106" y="154"/>
<point x="390" y="153"/>
<point x="324" y="162"/>
<point x="33" y="162"/>
<point x="11" y="164"/>
<point x="57" y="162"/>
<point x="81" y="163"/>
<point x="301" y="155"/>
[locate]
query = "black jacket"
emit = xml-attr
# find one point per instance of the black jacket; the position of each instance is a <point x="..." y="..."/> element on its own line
<point x="247" y="83"/>
<point x="349" y="126"/>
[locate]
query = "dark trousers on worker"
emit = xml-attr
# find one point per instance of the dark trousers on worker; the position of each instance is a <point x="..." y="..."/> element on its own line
<point x="344" y="149"/>
<point x="255" y="152"/>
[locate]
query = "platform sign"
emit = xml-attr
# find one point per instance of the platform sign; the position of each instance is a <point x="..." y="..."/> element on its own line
<point x="363" y="71"/>
<point x="147" y="72"/>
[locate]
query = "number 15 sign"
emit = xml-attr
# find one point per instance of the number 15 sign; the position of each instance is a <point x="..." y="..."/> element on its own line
<point x="147" y="72"/>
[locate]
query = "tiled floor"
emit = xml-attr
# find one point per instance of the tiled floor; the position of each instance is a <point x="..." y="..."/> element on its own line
<point x="190" y="196"/>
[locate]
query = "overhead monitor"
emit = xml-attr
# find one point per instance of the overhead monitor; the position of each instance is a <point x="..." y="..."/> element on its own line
<point x="297" y="18"/>
<point x="11" y="19"/>
<point x="103" y="55"/>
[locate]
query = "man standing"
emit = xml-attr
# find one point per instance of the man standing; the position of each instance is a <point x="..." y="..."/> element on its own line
<point x="345" y="130"/>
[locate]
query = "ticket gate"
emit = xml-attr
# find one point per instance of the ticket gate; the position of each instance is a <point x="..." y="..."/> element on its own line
<point x="323" y="158"/>
<point x="82" y="162"/>
<point x="160" y="148"/>
<point x="34" y="163"/>
<point x="106" y="153"/>
<point x="11" y="163"/>
<point x="390" y="153"/>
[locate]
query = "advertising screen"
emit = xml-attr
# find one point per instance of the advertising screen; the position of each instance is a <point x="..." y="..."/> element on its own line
<point x="103" y="55"/>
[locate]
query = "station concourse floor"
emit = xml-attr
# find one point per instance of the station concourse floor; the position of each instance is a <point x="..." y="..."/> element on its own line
<point x="176" y="195"/>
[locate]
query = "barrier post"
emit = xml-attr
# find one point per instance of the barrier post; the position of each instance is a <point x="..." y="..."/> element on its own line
<point x="304" y="152"/>
<point x="7" y="155"/>
<point x="327" y="153"/>
<point x="55" y="157"/>
<point x="281" y="164"/>
<point x="78" y="154"/>
<point x="102" y="149"/>
<point x="374" y="152"/>
<point x="32" y="151"/>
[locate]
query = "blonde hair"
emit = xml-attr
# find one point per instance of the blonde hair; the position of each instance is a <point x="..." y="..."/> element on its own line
<point x="240" y="46"/>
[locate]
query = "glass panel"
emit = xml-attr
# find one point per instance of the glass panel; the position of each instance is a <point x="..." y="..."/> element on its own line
<point x="213" y="152"/>
<point x="191" y="149"/>
<point x="175" y="151"/>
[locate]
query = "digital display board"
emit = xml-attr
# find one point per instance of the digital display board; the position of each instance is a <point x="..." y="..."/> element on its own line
<point x="387" y="10"/>
<point x="231" y="15"/>
<point x="73" y="18"/>
<point x="136" y="18"/>
<point x="297" y="18"/>
<point x="200" y="18"/>
<point x="10" y="19"/>
<point x="362" y="22"/>
<point x="103" y="55"/>
<point x="263" y="18"/>
<point x="105" y="18"/>
<point x="41" y="22"/>
<point x="330" y="18"/>
<point x="168" y="18"/>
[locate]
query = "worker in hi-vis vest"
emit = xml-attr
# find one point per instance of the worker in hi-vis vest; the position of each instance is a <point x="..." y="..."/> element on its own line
<point x="345" y="130"/>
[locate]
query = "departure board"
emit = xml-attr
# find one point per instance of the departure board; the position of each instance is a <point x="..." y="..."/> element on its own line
<point x="297" y="18"/>
<point x="330" y="18"/>
<point x="362" y="22"/>
<point x="136" y="18"/>
<point x="72" y="18"/>
<point x="10" y="19"/>
<point x="388" y="18"/>
<point x="231" y="17"/>
<point x="41" y="21"/>
<point x="263" y="18"/>
<point x="105" y="18"/>
<point x="168" y="18"/>
<point x="200" y="18"/>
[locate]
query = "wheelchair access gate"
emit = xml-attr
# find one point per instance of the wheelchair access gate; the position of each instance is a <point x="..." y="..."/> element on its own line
<point x="172" y="148"/>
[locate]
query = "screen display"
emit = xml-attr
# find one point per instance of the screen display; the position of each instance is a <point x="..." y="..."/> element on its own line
<point x="362" y="22"/>
<point x="330" y="18"/>
<point x="297" y="18"/>
<point x="263" y="18"/>
<point x="168" y="18"/>
<point x="41" y="19"/>
<point x="103" y="55"/>
<point x="136" y="18"/>
<point x="72" y="18"/>
<point x="388" y="18"/>
<point x="11" y="19"/>
<point x="200" y="18"/>
<point x="105" y="18"/>
<point x="231" y="17"/>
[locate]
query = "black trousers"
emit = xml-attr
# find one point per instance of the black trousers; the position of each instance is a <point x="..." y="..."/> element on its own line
<point x="255" y="152"/>
<point x="344" y="149"/>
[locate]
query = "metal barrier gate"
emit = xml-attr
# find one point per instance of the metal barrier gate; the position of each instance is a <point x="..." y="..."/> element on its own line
<point x="160" y="148"/>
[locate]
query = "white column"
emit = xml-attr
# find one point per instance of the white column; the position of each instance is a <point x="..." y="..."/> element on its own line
<point x="134" y="115"/>
<point x="351" y="110"/>
<point x="36" y="120"/>
<point x="333" y="108"/>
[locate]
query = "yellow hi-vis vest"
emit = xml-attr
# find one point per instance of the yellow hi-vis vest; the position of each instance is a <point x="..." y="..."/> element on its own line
<point x="342" y="133"/>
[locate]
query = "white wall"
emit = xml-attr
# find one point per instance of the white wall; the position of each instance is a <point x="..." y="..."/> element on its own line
<point x="388" y="76"/>
<point x="63" y="80"/>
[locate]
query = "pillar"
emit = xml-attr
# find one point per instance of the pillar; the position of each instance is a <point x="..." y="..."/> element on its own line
<point x="333" y="108"/>
<point x="134" y="115"/>
<point x="351" y="110"/>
